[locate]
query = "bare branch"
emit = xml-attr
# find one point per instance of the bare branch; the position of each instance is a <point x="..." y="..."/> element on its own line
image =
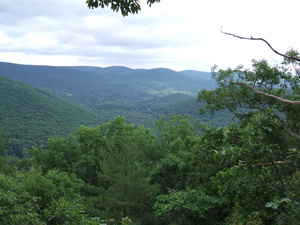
<point x="261" y="39"/>
<point x="274" y="163"/>
<point x="270" y="163"/>
<point x="293" y="134"/>
<point x="266" y="94"/>
<point x="286" y="128"/>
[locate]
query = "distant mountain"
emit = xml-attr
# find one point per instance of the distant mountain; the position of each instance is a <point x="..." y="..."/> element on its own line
<point x="198" y="74"/>
<point x="107" y="82"/>
<point x="29" y="116"/>
<point x="156" y="80"/>
<point x="114" y="90"/>
<point x="91" y="96"/>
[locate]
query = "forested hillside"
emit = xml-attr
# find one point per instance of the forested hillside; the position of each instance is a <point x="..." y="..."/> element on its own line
<point x="29" y="116"/>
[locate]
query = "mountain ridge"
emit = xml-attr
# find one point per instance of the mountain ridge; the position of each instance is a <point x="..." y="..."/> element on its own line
<point x="92" y="86"/>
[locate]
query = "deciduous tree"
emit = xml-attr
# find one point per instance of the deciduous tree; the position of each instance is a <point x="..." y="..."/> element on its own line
<point x="265" y="99"/>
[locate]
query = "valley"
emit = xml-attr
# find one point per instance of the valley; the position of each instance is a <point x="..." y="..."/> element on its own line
<point x="41" y="102"/>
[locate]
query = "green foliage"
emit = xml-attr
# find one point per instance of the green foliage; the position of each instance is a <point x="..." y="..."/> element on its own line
<point x="30" y="116"/>
<point x="191" y="206"/>
<point x="177" y="136"/>
<point x="242" y="217"/>
<point x="62" y="156"/>
<point x="236" y="91"/>
<point x="17" y="206"/>
<point x="256" y="168"/>
<point x="285" y="209"/>
<point x="176" y="127"/>
<point x="33" y="198"/>
<point x="3" y="150"/>
<point x="64" y="211"/>
<point x="131" y="6"/>
<point x="3" y="143"/>
<point x="184" y="173"/>
<point x="125" y="188"/>
<point x="111" y="160"/>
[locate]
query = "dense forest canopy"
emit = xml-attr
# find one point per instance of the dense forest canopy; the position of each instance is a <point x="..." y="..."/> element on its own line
<point x="29" y="116"/>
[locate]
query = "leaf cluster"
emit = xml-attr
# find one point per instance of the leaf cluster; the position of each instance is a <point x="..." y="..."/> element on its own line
<point x="125" y="6"/>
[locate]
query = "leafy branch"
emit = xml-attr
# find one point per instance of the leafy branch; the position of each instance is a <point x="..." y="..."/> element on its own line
<point x="265" y="94"/>
<point x="126" y="6"/>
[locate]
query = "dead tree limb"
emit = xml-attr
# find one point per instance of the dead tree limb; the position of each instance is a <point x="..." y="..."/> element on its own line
<point x="290" y="132"/>
<point x="297" y="136"/>
<point x="269" y="163"/>
<point x="261" y="39"/>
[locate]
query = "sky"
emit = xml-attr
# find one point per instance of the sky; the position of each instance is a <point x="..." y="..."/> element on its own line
<point x="174" y="34"/>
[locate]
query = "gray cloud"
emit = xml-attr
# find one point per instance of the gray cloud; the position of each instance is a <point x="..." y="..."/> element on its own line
<point x="39" y="25"/>
<point x="169" y="34"/>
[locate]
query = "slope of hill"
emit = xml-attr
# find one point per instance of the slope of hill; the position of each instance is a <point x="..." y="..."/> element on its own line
<point x="30" y="115"/>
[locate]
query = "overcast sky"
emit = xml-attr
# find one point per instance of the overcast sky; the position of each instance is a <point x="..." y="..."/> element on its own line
<point x="175" y="34"/>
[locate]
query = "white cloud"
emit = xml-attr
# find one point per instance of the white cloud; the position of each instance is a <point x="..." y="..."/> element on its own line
<point x="173" y="33"/>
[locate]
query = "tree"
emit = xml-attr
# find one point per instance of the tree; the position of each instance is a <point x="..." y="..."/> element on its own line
<point x="17" y="206"/>
<point x="261" y="165"/>
<point x="269" y="90"/>
<point x="126" y="190"/>
<point x="31" y="197"/>
<point x="126" y="6"/>
<point x="186" y="207"/>
<point x="184" y="173"/>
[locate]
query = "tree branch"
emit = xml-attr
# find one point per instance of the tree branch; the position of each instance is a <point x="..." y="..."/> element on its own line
<point x="286" y="128"/>
<point x="270" y="163"/>
<point x="261" y="39"/>
<point x="266" y="94"/>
